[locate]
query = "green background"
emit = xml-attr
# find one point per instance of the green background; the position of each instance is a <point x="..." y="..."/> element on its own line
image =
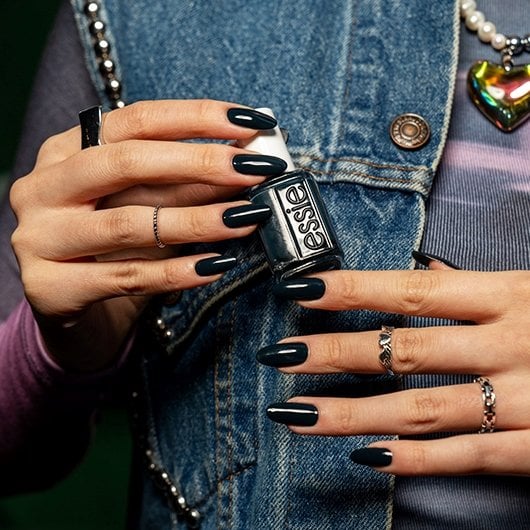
<point x="95" y="495"/>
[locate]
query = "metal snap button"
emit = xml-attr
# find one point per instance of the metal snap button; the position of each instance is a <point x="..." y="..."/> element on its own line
<point x="410" y="131"/>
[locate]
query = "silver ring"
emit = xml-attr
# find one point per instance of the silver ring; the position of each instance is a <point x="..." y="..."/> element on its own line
<point x="385" y="344"/>
<point x="158" y="241"/>
<point x="489" y="401"/>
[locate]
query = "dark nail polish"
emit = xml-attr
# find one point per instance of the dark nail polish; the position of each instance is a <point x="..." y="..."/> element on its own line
<point x="215" y="265"/>
<point x="251" y="119"/>
<point x="246" y="215"/>
<point x="279" y="355"/>
<point x="299" y="414"/>
<point x="425" y="259"/>
<point x="259" y="165"/>
<point x="372" y="456"/>
<point x="300" y="289"/>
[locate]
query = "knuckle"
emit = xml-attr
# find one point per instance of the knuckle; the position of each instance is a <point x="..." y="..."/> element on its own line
<point x="128" y="278"/>
<point x="120" y="227"/>
<point x="348" y="288"/>
<point x="205" y="109"/>
<point x="424" y="413"/>
<point x="17" y="193"/>
<point x="17" y="240"/>
<point x="333" y="354"/>
<point x="407" y="347"/>
<point x="414" y="291"/>
<point x="196" y="226"/>
<point x="51" y="146"/>
<point x="171" y="276"/>
<point x="211" y="159"/>
<point x="345" y="418"/>
<point x="123" y="159"/>
<point x="135" y="119"/>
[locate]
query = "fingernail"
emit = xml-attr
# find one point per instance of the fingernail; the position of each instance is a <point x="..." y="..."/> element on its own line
<point x="215" y="265"/>
<point x="251" y="119"/>
<point x="299" y="414"/>
<point x="300" y="289"/>
<point x="425" y="259"/>
<point x="260" y="165"/>
<point x="246" y="215"/>
<point x="372" y="456"/>
<point x="279" y="355"/>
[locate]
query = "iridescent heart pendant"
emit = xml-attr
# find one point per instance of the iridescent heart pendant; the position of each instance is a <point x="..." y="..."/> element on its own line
<point x="502" y="94"/>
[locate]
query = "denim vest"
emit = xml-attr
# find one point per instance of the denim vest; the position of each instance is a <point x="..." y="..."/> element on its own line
<point x="336" y="73"/>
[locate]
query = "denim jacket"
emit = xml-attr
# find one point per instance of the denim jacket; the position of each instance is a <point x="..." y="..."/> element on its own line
<point x="336" y="73"/>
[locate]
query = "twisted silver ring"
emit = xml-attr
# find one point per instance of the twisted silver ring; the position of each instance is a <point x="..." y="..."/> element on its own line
<point x="158" y="241"/>
<point x="385" y="345"/>
<point x="489" y="401"/>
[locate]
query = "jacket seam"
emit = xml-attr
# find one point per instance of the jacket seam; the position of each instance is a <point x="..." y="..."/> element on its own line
<point x="378" y="165"/>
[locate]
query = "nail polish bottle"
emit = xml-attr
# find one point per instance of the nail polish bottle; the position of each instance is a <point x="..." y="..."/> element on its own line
<point x="299" y="237"/>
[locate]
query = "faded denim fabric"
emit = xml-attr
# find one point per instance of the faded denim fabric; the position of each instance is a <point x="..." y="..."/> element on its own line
<point x="336" y="74"/>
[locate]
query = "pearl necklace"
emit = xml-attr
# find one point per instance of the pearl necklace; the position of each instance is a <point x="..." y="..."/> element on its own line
<point x="501" y="92"/>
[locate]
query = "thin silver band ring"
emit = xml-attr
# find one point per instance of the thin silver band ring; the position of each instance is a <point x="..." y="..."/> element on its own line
<point x="158" y="241"/>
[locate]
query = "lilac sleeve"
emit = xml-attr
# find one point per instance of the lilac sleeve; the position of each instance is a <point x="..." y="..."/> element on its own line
<point x="45" y="413"/>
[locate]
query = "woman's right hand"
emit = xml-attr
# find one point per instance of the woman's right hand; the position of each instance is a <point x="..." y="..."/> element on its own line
<point x="78" y="207"/>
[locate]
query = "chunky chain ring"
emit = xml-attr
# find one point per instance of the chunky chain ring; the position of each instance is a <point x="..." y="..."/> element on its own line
<point x="385" y="344"/>
<point x="489" y="401"/>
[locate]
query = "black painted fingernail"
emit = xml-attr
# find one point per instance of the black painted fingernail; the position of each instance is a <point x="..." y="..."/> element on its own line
<point x="425" y="259"/>
<point x="251" y="119"/>
<point x="215" y="265"/>
<point x="372" y="456"/>
<point x="300" y="289"/>
<point x="246" y="215"/>
<point x="259" y="165"/>
<point x="287" y="354"/>
<point x="299" y="414"/>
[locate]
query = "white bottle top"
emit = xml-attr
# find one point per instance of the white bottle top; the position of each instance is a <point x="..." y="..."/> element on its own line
<point x="269" y="142"/>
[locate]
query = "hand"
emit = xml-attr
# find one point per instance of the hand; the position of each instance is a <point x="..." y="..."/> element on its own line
<point x="496" y="348"/>
<point x="77" y="207"/>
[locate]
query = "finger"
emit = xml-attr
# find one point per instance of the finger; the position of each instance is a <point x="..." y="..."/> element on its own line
<point x="489" y="348"/>
<point x="96" y="281"/>
<point x="171" y="195"/>
<point x="462" y="295"/>
<point x="492" y="453"/>
<point x="91" y="174"/>
<point x="104" y="231"/>
<point x="419" y="411"/>
<point x="156" y="120"/>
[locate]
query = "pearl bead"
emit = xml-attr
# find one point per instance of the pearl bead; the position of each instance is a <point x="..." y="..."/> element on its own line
<point x="474" y="20"/>
<point x="498" y="42"/>
<point x="467" y="7"/>
<point x="486" y="31"/>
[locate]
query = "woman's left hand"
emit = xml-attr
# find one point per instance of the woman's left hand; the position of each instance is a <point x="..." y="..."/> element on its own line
<point x="496" y="348"/>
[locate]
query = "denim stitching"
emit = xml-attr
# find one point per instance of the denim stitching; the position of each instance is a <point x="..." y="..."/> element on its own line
<point x="230" y="438"/>
<point x="218" y="488"/>
<point x="377" y="165"/>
